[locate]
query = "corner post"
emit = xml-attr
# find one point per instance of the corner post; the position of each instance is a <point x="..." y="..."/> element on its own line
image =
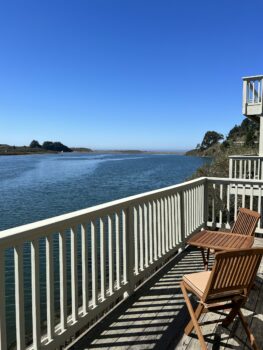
<point x="260" y="151"/>
<point x="205" y="218"/>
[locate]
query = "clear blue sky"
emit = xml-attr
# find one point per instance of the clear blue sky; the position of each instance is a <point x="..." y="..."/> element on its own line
<point x="142" y="74"/>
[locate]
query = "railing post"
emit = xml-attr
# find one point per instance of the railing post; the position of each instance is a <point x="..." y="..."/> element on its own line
<point x="182" y="221"/>
<point x="3" y="344"/>
<point x="230" y="168"/>
<point x="129" y="215"/>
<point x="205" y="218"/>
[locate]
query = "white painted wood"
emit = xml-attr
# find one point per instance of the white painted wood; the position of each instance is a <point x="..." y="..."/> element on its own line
<point x="117" y="232"/>
<point x="159" y="228"/>
<point x="243" y="196"/>
<point x="50" y="288"/>
<point x="182" y="217"/>
<point x="94" y="264"/>
<point x="213" y="204"/>
<point x="150" y="225"/>
<point x="110" y="252"/>
<point x="125" y="245"/>
<point x="63" y="281"/>
<point x="162" y="226"/>
<point x="19" y="297"/>
<point x="3" y="345"/>
<point x="228" y="206"/>
<point x="102" y="261"/>
<point x="130" y="249"/>
<point x="74" y="274"/>
<point x="146" y="240"/>
<point x="166" y="225"/>
<point x="35" y="294"/>
<point x="230" y="167"/>
<point x="155" y="239"/>
<point x="173" y="229"/>
<point x="84" y="269"/>
<point x="136" y="238"/>
<point x="141" y="243"/>
<point x="221" y="199"/>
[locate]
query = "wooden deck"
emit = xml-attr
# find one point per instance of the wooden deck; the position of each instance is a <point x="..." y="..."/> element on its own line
<point x="155" y="317"/>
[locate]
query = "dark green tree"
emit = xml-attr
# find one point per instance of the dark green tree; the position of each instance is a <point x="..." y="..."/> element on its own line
<point x="35" y="144"/>
<point x="210" y="139"/>
<point x="55" y="146"/>
<point x="250" y="138"/>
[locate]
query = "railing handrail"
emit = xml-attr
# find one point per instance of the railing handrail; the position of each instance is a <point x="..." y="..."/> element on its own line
<point x="46" y="226"/>
<point x="228" y="180"/>
<point x="254" y="77"/>
<point x="247" y="156"/>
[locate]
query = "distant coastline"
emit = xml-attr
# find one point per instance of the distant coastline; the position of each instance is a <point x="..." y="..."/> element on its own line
<point x="7" y="150"/>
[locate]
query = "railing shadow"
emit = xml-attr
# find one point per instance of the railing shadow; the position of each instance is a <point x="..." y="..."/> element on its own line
<point x="156" y="315"/>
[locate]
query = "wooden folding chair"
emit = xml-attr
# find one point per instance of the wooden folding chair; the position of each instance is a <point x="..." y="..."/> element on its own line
<point x="227" y="286"/>
<point x="245" y="224"/>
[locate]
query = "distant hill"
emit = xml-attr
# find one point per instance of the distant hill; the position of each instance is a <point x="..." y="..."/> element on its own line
<point x="241" y="140"/>
<point x="34" y="148"/>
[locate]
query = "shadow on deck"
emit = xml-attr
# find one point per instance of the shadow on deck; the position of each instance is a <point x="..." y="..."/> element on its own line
<point x="155" y="317"/>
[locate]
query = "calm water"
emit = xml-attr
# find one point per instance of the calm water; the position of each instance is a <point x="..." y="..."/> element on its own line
<point x="41" y="186"/>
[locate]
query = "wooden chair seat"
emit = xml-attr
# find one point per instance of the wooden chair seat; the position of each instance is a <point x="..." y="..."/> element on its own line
<point x="197" y="281"/>
<point x="227" y="286"/>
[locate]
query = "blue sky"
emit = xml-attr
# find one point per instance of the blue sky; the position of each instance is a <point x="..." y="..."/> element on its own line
<point x="140" y="74"/>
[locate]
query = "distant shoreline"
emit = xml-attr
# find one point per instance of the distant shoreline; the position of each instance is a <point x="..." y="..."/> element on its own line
<point x="25" y="153"/>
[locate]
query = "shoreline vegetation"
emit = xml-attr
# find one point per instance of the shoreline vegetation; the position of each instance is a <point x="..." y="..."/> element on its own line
<point x="49" y="147"/>
<point x="241" y="140"/>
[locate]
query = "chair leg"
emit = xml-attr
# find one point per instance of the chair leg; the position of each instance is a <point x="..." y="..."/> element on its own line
<point x="248" y="331"/>
<point x="205" y="259"/>
<point x="233" y="312"/>
<point x="193" y="317"/>
<point x="188" y="329"/>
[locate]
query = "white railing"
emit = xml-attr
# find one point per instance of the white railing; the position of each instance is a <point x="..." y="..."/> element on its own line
<point x="226" y="196"/>
<point x="246" y="167"/>
<point x="69" y="270"/>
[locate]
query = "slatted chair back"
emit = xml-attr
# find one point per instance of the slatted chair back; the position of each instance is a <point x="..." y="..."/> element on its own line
<point x="233" y="273"/>
<point x="246" y="222"/>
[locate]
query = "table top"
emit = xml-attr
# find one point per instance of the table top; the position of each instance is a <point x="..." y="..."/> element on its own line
<point x="221" y="240"/>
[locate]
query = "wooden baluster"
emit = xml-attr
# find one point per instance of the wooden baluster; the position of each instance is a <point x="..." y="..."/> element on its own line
<point x="63" y="281"/>
<point x="84" y="266"/>
<point x="74" y="274"/>
<point x="102" y="261"/>
<point x="3" y="344"/>
<point x="19" y="298"/>
<point x="94" y="264"/>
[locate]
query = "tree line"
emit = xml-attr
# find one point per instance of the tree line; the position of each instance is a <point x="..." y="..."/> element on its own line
<point x="50" y="146"/>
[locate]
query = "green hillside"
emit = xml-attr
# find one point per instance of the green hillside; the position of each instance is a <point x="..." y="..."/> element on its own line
<point x="241" y="140"/>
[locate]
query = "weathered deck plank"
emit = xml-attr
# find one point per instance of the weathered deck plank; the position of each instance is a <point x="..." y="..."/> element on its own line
<point x="155" y="317"/>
